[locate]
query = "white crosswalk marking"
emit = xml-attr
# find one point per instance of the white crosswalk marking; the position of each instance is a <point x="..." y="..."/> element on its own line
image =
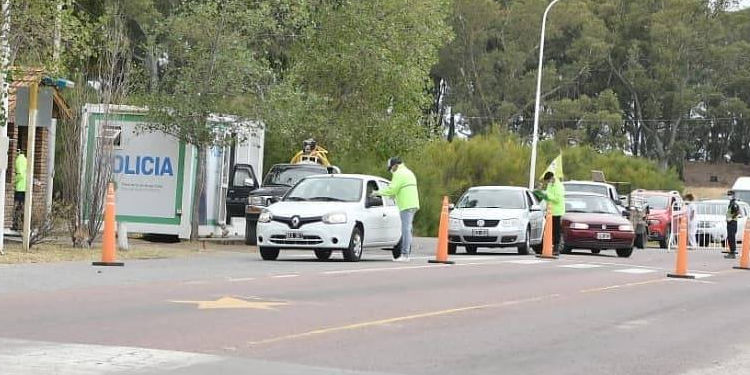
<point x="580" y="266"/>
<point x="528" y="261"/>
<point x="636" y="271"/>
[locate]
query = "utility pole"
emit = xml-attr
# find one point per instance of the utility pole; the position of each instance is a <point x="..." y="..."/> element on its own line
<point x="4" y="66"/>
<point x="30" y="142"/>
<point x="58" y="35"/>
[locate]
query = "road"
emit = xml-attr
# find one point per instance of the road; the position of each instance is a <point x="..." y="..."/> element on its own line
<point x="490" y="313"/>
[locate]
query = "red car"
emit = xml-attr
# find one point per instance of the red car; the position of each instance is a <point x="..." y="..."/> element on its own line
<point x="660" y="205"/>
<point x="594" y="223"/>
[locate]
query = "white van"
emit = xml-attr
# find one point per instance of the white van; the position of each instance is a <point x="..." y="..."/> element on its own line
<point x="741" y="189"/>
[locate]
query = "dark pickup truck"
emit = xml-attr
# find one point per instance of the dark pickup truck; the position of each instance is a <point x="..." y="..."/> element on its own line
<point x="279" y="179"/>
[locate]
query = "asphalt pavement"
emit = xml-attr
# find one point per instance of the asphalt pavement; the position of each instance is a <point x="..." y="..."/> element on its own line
<point x="492" y="312"/>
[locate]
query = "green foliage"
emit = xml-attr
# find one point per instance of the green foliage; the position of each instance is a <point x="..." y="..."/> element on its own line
<point x="444" y="168"/>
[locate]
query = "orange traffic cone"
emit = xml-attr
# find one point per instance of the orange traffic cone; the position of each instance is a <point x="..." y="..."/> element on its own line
<point x="441" y="253"/>
<point x="547" y="240"/>
<point x="681" y="266"/>
<point x="745" y="258"/>
<point x="108" y="236"/>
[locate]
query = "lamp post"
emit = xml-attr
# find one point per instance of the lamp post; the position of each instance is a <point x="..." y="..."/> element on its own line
<point x="535" y="138"/>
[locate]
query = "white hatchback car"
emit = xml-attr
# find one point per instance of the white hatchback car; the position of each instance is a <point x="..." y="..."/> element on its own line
<point x="496" y="216"/>
<point x="329" y="213"/>
<point x="712" y="222"/>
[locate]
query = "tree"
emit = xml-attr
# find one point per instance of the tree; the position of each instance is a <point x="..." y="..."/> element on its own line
<point x="212" y="69"/>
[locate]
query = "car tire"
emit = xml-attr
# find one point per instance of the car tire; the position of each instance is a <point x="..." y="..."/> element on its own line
<point x="703" y="240"/>
<point x="640" y="241"/>
<point x="537" y="249"/>
<point x="665" y="242"/>
<point x="567" y="249"/>
<point x="268" y="253"/>
<point x="251" y="232"/>
<point x="523" y="249"/>
<point x="323" y="254"/>
<point x="471" y="249"/>
<point x="353" y="253"/>
<point x="624" y="253"/>
<point x="596" y="251"/>
<point x="452" y="248"/>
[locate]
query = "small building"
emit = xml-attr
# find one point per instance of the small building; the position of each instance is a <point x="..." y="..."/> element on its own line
<point x="44" y="153"/>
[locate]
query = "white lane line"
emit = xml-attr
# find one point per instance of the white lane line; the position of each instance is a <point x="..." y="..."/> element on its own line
<point x="527" y="261"/>
<point x="240" y="279"/>
<point x="285" y="276"/>
<point x="628" y="265"/>
<point x="195" y="282"/>
<point x="362" y="270"/>
<point x="581" y="266"/>
<point x="700" y="275"/>
<point x="635" y="271"/>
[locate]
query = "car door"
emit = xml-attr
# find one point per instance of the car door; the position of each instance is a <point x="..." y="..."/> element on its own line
<point x="374" y="211"/>
<point x="242" y="181"/>
<point x="742" y="222"/>
<point x="536" y="218"/>
<point x="391" y="217"/>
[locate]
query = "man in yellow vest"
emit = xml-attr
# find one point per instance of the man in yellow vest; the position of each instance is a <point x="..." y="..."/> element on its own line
<point x="20" y="189"/>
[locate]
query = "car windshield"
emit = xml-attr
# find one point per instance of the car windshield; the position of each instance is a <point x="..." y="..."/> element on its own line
<point x="586" y="188"/>
<point x="290" y="175"/>
<point x="743" y="195"/>
<point x="711" y="208"/>
<point x="590" y="204"/>
<point x="326" y="189"/>
<point x="658" y="202"/>
<point x="492" y="199"/>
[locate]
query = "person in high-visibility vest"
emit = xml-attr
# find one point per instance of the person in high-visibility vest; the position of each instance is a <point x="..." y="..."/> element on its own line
<point x="19" y="197"/>
<point x="554" y="194"/>
<point x="403" y="188"/>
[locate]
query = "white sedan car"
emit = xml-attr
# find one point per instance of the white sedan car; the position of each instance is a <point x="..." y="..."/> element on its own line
<point x="496" y="216"/>
<point x="330" y="213"/>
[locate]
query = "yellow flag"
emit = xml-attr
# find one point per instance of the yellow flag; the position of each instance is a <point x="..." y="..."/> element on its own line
<point x="555" y="167"/>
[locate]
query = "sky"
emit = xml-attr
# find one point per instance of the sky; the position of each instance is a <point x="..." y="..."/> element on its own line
<point x="744" y="3"/>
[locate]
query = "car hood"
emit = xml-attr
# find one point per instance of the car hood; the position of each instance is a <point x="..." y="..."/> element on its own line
<point x="486" y="213"/>
<point x="311" y="209"/>
<point x="590" y="218"/>
<point x="270" y="191"/>
<point x="707" y="217"/>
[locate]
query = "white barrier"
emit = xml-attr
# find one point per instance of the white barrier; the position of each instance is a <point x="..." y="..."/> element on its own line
<point x="708" y="229"/>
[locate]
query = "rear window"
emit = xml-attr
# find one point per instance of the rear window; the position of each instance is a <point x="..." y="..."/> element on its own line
<point x="586" y="188"/>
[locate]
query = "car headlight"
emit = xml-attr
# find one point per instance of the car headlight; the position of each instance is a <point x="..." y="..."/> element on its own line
<point x="508" y="223"/>
<point x="335" y="218"/>
<point x="579" y="226"/>
<point x="625" y="228"/>
<point x="259" y="201"/>
<point x="265" y="217"/>
<point x="455" y="222"/>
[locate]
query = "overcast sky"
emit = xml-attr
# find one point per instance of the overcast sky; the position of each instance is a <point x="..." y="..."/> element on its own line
<point x="744" y="3"/>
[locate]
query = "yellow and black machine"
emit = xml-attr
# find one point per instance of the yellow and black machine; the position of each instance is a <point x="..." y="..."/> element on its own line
<point x="311" y="153"/>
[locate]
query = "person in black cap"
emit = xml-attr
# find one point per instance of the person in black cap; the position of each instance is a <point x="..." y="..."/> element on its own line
<point x="733" y="212"/>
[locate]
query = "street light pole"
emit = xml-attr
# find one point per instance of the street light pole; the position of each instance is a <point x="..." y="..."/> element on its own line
<point x="535" y="138"/>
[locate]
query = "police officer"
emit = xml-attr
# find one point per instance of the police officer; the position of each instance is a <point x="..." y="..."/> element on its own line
<point x="733" y="212"/>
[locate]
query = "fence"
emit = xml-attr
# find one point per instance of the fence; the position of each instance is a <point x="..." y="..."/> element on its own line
<point x="708" y="229"/>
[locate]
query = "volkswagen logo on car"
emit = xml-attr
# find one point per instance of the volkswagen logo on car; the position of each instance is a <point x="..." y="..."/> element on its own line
<point x="480" y="223"/>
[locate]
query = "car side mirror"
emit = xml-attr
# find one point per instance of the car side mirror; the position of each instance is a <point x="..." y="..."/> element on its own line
<point x="451" y="207"/>
<point x="626" y="214"/>
<point x="273" y="200"/>
<point x="535" y="208"/>
<point x="373" y="202"/>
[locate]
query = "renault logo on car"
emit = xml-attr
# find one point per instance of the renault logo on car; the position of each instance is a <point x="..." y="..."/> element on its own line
<point x="295" y="222"/>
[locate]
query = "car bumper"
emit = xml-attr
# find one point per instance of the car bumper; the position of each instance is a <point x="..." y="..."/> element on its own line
<point x="313" y="236"/>
<point x="587" y="239"/>
<point x="495" y="237"/>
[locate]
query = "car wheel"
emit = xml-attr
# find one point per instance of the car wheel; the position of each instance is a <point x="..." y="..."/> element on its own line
<point x="537" y="248"/>
<point x="703" y="240"/>
<point x="523" y="249"/>
<point x="665" y="242"/>
<point x="640" y="241"/>
<point x="323" y="254"/>
<point x="452" y="248"/>
<point x="268" y="253"/>
<point x="250" y="233"/>
<point x="624" y="253"/>
<point x="471" y="249"/>
<point x="354" y="252"/>
<point x="595" y="251"/>
<point x="567" y="249"/>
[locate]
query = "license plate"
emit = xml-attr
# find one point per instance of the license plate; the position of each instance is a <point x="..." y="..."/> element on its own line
<point x="480" y="232"/>
<point x="603" y="236"/>
<point x="294" y="235"/>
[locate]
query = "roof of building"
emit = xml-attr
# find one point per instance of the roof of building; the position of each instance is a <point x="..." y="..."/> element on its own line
<point x="24" y="76"/>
